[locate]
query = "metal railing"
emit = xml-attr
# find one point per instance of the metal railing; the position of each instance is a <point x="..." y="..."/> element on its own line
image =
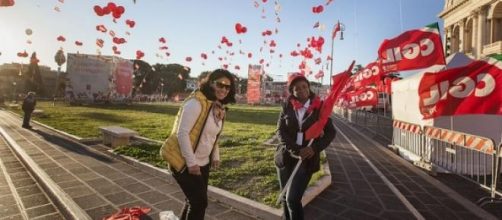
<point x="377" y="124"/>
<point x="410" y="137"/>
<point x="469" y="156"/>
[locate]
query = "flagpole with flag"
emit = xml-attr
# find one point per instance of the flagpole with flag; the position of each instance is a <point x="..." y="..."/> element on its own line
<point x="335" y="30"/>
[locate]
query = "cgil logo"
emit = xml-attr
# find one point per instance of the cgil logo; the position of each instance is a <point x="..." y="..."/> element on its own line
<point x="410" y="51"/>
<point x="462" y="87"/>
<point x="364" y="96"/>
<point x="367" y="73"/>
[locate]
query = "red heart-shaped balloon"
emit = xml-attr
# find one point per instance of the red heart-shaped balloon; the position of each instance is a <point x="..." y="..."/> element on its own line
<point x="139" y="54"/>
<point x="130" y="23"/>
<point x="121" y="10"/>
<point x="98" y="10"/>
<point x="238" y="27"/>
<point x="101" y="28"/>
<point x="111" y="6"/>
<point x="106" y="11"/>
<point x="100" y="42"/>
<point x="61" y="38"/>
<point x="116" y="14"/>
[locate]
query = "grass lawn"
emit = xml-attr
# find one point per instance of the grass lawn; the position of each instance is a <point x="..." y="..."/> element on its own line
<point x="247" y="167"/>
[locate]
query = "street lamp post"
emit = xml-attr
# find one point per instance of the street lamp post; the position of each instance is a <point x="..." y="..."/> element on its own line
<point x="342" y="29"/>
<point x="14" y="97"/>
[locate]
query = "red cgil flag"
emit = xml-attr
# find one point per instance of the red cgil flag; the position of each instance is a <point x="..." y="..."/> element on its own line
<point x="339" y="81"/>
<point x="413" y="49"/>
<point x="472" y="89"/>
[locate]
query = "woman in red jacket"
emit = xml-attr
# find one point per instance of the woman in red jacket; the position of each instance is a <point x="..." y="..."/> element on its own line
<point x="297" y="115"/>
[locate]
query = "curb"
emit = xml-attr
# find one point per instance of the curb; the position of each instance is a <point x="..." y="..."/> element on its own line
<point x="63" y="201"/>
<point x="246" y="205"/>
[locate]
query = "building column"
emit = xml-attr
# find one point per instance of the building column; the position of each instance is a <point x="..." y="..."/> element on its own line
<point x="475" y="30"/>
<point x="492" y="31"/>
<point x="447" y="40"/>
<point x="461" y="43"/>
<point x="481" y="31"/>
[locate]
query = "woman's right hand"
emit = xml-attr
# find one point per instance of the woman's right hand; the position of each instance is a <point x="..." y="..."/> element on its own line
<point x="194" y="170"/>
<point x="306" y="153"/>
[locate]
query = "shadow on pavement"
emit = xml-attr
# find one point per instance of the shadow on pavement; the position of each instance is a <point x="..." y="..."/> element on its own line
<point x="69" y="145"/>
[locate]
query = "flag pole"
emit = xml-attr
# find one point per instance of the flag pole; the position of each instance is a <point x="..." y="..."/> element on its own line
<point x="290" y="180"/>
<point x="331" y="63"/>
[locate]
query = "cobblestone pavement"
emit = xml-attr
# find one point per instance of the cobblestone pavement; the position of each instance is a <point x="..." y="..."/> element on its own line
<point x="20" y="195"/>
<point x="358" y="192"/>
<point x="97" y="183"/>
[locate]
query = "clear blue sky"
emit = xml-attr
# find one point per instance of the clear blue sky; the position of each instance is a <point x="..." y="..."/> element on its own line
<point x="193" y="27"/>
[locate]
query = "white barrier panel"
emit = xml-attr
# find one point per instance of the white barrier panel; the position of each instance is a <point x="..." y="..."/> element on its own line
<point x="408" y="136"/>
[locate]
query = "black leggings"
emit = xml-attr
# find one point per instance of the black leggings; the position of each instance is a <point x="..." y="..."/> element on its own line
<point x="195" y="189"/>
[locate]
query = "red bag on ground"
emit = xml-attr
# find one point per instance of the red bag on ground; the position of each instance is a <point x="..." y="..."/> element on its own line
<point x="128" y="214"/>
<point x="6" y="3"/>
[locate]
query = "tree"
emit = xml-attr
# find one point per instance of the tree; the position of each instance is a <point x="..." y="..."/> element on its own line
<point x="160" y="78"/>
<point x="356" y="68"/>
<point x="142" y="70"/>
<point x="170" y="78"/>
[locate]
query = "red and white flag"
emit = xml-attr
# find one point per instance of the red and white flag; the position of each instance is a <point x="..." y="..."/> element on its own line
<point x="472" y="89"/>
<point x="413" y="49"/>
<point x="365" y="96"/>
<point x="371" y="74"/>
<point x="335" y="30"/>
<point x="339" y="81"/>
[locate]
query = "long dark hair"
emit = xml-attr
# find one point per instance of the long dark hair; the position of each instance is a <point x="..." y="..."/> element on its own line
<point x="208" y="91"/>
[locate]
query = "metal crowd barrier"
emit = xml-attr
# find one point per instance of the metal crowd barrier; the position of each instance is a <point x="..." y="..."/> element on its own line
<point x="377" y="124"/>
<point x="497" y="180"/>
<point x="409" y="136"/>
<point x="469" y="156"/>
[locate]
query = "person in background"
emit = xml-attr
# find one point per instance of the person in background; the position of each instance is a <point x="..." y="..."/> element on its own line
<point x="301" y="110"/>
<point x="192" y="147"/>
<point x="28" y="107"/>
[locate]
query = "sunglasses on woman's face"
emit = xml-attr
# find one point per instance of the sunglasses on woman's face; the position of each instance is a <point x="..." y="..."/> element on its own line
<point x="221" y="85"/>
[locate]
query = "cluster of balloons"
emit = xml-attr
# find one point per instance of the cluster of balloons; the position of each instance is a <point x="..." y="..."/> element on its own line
<point x="112" y="8"/>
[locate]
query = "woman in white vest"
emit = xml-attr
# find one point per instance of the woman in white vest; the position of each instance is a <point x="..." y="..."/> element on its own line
<point x="192" y="147"/>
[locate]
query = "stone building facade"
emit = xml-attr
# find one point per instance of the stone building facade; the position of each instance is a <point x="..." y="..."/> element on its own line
<point x="473" y="27"/>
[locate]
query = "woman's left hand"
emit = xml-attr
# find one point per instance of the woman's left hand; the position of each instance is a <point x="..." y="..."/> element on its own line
<point x="215" y="164"/>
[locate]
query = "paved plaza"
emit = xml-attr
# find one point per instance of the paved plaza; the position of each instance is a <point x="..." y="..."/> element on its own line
<point x="368" y="182"/>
